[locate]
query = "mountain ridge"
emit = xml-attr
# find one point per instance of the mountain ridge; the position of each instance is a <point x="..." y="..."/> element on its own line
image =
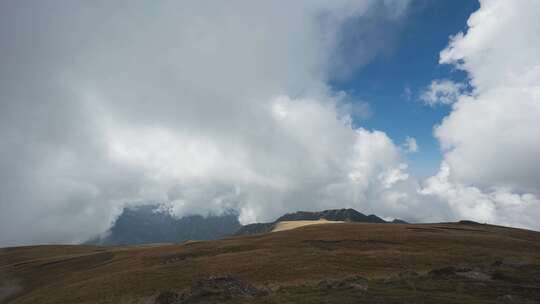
<point x="147" y="224"/>
<point x="343" y="214"/>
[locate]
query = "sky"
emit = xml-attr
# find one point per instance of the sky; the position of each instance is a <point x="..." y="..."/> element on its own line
<point x="421" y="110"/>
<point x="392" y="82"/>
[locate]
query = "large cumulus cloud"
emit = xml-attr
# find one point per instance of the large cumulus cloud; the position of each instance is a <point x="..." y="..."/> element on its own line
<point x="491" y="168"/>
<point x="204" y="106"/>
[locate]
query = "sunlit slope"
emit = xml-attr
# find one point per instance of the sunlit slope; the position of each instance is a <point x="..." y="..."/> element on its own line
<point x="331" y="263"/>
<point x="288" y="225"/>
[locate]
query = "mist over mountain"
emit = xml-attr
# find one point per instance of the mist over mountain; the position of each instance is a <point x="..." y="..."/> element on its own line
<point x="266" y="108"/>
<point x="149" y="224"/>
<point x="152" y="224"/>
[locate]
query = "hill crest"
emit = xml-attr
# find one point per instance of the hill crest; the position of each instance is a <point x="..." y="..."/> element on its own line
<point x="341" y="215"/>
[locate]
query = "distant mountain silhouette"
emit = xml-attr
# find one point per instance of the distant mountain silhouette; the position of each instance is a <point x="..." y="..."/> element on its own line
<point x="346" y="215"/>
<point x="144" y="224"/>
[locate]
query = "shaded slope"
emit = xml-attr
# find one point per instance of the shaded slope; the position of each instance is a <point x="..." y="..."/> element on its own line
<point x="142" y="224"/>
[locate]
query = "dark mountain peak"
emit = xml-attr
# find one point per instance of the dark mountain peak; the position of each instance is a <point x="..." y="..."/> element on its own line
<point x="150" y="224"/>
<point x="346" y="215"/>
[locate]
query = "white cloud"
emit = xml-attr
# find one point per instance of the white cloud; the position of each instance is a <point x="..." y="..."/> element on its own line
<point x="495" y="206"/>
<point x="216" y="107"/>
<point x="442" y="91"/>
<point x="410" y="145"/>
<point x="394" y="175"/>
<point x="491" y="147"/>
<point x="206" y="107"/>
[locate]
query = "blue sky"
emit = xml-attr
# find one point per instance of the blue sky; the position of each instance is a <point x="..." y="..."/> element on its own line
<point x="411" y="64"/>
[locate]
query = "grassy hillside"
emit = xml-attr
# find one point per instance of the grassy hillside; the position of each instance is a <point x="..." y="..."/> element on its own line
<point x="337" y="263"/>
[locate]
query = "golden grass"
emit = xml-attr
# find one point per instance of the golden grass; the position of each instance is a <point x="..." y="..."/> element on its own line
<point x="288" y="225"/>
<point x="305" y="255"/>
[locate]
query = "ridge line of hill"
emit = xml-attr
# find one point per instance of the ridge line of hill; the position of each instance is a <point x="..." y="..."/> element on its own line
<point x="344" y="215"/>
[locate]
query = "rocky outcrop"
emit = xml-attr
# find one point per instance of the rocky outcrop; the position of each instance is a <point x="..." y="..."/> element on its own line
<point x="211" y="290"/>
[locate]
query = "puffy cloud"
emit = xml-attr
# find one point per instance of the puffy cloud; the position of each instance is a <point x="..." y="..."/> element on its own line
<point x="442" y="91"/>
<point x="491" y="170"/>
<point x="410" y="145"/>
<point x="390" y="177"/>
<point x="307" y="158"/>
<point x="205" y="107"/>
<point x="496" y="205"/>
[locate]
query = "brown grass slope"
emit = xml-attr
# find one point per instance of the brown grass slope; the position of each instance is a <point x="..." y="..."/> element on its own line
<point x="312" y="264"/>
